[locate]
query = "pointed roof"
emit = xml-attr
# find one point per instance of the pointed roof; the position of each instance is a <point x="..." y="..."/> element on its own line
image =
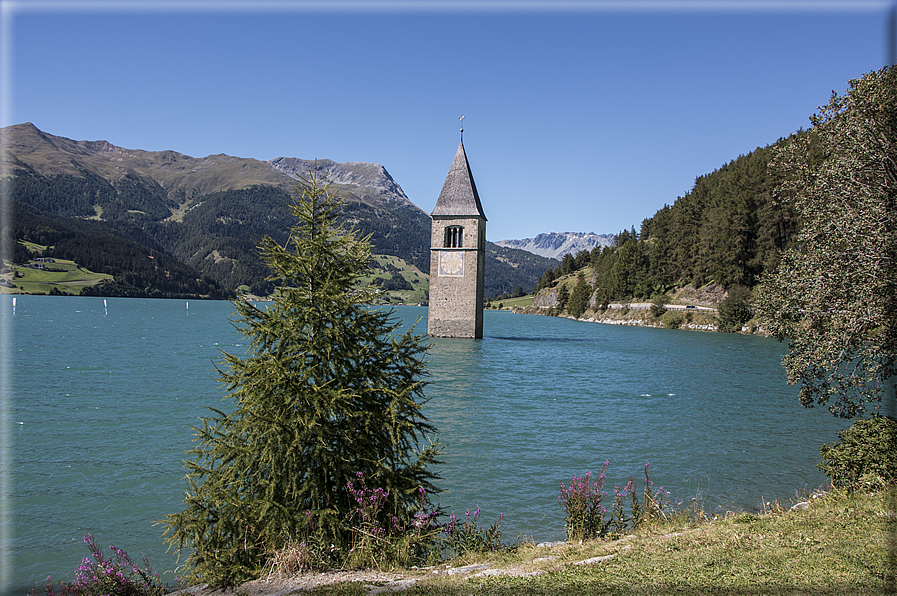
<point x="459" y="193"/>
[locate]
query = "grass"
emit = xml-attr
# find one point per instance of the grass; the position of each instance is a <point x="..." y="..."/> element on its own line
<point x="840" y="544"/>
<point x="73" y="278"/>
<point x="511" y="303"/>
<point x="69" y="281"/>
<point x="419" y="281"/>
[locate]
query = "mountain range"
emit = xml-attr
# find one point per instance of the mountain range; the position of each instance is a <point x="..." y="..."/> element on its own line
<point x="208" y="214"/>
<point x="555" y="245"/>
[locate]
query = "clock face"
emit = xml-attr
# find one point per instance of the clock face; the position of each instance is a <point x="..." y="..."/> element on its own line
<point x="451" y="263"/>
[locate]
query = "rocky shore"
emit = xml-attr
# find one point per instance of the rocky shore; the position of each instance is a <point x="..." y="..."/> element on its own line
<point x="639" y="315"/>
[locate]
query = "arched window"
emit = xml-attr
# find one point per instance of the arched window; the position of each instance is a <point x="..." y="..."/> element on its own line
<point x="454" y="237"/>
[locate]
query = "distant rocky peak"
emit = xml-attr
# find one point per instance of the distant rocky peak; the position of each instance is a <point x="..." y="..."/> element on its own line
<point x="371" y="180"/>
<point x="555" y="245"/>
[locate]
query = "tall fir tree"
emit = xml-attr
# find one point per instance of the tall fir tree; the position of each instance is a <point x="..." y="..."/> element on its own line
<point x="328" y="389"/>
<point x="579" y="298"/>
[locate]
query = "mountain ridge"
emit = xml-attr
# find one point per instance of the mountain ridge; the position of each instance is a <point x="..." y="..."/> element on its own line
<point x="178" y="173"/>
<point x="555" y="245"/>
<point x="211" y="212"/>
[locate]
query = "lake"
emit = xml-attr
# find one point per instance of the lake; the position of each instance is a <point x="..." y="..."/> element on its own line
<point x="99" y="408"/>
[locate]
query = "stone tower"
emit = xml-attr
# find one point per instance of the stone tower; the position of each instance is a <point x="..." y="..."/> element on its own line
<point x="457" y="256"/>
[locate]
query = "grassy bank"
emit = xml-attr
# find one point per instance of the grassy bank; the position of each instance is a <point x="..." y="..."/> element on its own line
<point x="61" y="275"/>
<point x="511" y="303"/>
<point x="839" y="544"/>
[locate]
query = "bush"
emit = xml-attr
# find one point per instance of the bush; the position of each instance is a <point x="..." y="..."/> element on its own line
<point x="658" y="305"/>
<point x="585" y="514"/>
<point x="99" y="576"/>
<point x="581" y="501"/>
<point x="867" y="452"/>
<point x="673" y="320"/>
<point x="469" y="537"/>
<point x="381" y="540"/>
<point x="735" y="310"/>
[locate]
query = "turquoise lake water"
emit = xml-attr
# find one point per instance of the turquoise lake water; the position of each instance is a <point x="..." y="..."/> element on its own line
<point x="101" y="401"/>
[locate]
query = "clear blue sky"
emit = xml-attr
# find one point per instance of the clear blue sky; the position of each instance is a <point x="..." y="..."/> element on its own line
<point x="579" y="116"/>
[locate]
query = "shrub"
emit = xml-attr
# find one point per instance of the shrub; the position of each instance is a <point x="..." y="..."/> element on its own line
<point x="380" y="540"/>
<point x="658" y="305"/>
<point x="469" y="537"/>
<point x="582" y="505"/>
<point x="867" y="452"/>
<point x="735" y="309"/>
<point x="585" y="513"/>
<point x="99" y="576"/>
<point x="673" y="321"/>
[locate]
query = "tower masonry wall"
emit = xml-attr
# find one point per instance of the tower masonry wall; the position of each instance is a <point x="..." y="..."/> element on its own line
<point x="456" y="295"/>
<point x="474" y="231"/>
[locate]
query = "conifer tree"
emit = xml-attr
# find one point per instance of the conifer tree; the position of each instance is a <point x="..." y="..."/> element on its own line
<point x="326" y="390"/>
<point x="579" y="298"/>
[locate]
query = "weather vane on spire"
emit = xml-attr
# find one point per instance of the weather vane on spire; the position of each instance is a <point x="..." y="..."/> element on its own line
<point x="462" y="127"/>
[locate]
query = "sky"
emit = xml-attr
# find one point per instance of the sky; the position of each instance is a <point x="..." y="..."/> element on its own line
<point x="579" y="115"/>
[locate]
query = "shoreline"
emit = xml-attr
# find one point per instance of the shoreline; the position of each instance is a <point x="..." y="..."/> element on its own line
<point x="631" y="318"/>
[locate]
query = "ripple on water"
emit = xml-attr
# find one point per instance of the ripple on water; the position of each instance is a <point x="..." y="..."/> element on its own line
<point x="103" y="431"/>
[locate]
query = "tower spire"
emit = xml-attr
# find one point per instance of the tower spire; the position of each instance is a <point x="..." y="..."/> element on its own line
<point x="457" y="255"/>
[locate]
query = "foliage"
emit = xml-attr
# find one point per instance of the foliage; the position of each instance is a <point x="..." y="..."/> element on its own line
<point x="735" y="309"/>
<point x="517" y="293"/>
<point x="866" y="452"/>
<point x="139" y="271"/>
<point x="563" y="297"/>
<point x="726" y="229"/>
<point x="673" y="320"/>
<point x="395" y="282"/>
<point x="584" y="513"/>
<point x="834" y="295"/>
<point x="510" y="269"/>
<point x="584" y="518"/>
<point x="658" y="305"/>
<point x="381" y="540"/>
<point x="469" y="537"/>
<point x="216" y="233"/>
<point x="326" y="391"/>
<point x="579" y="298"/>
<point x="117" y="576"/>
<point x="546" y="280"/>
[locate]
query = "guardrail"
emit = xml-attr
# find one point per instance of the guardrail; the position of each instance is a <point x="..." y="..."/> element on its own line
<point x="647" y="306"/>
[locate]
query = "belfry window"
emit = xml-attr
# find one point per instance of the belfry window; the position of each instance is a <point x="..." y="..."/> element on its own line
<point x="454" y="237"/>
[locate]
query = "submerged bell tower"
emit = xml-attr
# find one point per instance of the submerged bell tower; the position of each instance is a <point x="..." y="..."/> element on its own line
<point x="457" y="255"/>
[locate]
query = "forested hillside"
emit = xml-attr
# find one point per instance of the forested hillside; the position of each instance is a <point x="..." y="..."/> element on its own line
<point x="217" y="238"/>
<point x="209" y="214"/>
<point x="139" y="272"/>
<point x="727" y="230"/>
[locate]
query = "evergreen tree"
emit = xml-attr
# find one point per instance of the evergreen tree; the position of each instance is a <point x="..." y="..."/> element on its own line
<point x="579" y="298"/>
<point x="546" y="280"/>
<point x="563" y="297"/>
<point x="735" y="309"/>
<point x="658" y="305"/>
<point x="567" y="265"/>
<point x="326" y="391"/>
